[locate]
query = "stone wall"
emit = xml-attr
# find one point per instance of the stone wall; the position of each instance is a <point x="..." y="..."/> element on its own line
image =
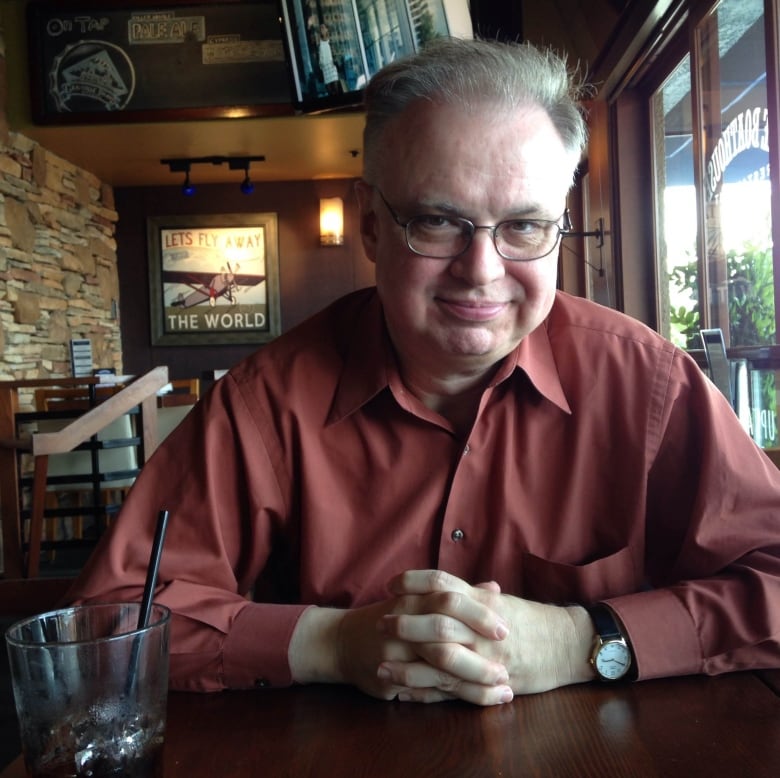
<point x="58" y="262"/>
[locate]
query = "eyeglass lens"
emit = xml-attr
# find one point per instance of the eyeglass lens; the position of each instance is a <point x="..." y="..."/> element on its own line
<point x="441" y="236"/>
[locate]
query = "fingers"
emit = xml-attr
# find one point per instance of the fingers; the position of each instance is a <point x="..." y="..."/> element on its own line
<point x="420" y="682"/>
<point x="447" y="667"/>
<point x="451" y="661"/>
<point x="427" y="581"/>
<point x="490" y="586"/>
<point x="454" y="629"/>
<point x="438" y="627"/>
<point x="443" y="593"/>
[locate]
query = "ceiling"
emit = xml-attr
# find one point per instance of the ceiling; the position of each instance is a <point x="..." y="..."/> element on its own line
<point x="295" y="147"/>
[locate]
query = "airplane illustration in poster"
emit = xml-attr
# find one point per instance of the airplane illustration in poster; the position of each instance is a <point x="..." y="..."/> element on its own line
<point x="208" y="287"/>
<point x="216" y="276"/>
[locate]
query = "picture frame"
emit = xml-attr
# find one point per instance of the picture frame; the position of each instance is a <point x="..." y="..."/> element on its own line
<point x="213" y="279"/>
<point x="336" y="48"/>
<point x="156" y="62"/>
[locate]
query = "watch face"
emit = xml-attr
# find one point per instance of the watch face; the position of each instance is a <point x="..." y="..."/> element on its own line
<point x="613" y="660"/>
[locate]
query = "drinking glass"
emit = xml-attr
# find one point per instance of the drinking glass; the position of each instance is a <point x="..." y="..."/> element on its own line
<point x="91" y="690"/>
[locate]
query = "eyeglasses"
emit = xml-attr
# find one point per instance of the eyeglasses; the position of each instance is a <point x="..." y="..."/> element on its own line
<point x="446" y="237"/>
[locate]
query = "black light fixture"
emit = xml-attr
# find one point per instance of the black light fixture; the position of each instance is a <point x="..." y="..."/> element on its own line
<point x="242" y="163"/>
<point x="247" y="187"/>
<point x="187" y="188"/>
<point x="183" y="165"/>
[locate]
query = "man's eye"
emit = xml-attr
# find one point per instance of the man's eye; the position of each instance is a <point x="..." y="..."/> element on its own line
<point x="524" y="227"/>
<point x="436" y="223"/>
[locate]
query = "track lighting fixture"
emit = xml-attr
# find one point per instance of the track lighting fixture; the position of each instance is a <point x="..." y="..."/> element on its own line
<point x="184" y="164"/>
<point x="187" y="188"/>
<point x="247" y="187"/>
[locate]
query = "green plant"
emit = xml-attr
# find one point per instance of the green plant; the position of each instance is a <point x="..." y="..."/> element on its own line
<point x="751" y="298"/>
<point x="684" y="321"/>
<point x="751" y="301"/>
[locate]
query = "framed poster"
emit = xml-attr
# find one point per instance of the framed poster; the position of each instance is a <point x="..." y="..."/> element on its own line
<point x="213" y="279"/>
<point x="107" y="62"/>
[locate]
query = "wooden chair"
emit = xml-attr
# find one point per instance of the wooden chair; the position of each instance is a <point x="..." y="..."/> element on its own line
<point x="184" y="391"/>
<point x="62" y="466"/>
<point x="78" y="485"/>
<point x="23" y="527"/>
<point x="186" y="386"/>
<point x="73" y="398"/>
<point x="169" y="417"/>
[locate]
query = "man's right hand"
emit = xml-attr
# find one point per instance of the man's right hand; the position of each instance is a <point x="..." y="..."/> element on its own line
<point x="349" y="646"/>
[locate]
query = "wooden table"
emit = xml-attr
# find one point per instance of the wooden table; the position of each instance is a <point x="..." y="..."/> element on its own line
<point x="727" y="726"/>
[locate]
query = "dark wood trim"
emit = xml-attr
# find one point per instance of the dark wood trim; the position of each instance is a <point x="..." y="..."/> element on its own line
<point x="20" y="597"/>
<point x="772" y="28"/>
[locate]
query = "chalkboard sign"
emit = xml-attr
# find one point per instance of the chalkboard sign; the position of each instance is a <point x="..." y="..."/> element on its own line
<point x="157" y="62"/>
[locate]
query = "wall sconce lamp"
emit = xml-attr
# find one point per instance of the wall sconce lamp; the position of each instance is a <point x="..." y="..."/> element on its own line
<point x="183" y="165"/>
<point x="331" y="221"/>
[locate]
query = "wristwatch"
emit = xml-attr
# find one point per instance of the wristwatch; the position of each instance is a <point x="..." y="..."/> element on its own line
<point x="611" y="657"/>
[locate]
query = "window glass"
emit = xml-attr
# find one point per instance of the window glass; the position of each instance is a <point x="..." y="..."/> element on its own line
<point x="676" y="207"/>
<point x="737" y="245"/>
<point x="723" y="278"/>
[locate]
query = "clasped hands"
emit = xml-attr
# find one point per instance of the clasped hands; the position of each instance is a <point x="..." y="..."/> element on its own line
<point x="437" y="638"/>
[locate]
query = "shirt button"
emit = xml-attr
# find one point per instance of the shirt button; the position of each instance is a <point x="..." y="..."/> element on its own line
<point x="262" y="683"/>
<point x="457" y="535"/>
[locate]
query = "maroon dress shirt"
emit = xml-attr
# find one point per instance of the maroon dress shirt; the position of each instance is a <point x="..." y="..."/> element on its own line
<point x="602" y="466"/>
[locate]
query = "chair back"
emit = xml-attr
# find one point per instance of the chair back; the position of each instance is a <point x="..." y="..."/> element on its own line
<point x="119" y="456"/>
<point x="25" y="500"/>
<point x="169" y="417"/>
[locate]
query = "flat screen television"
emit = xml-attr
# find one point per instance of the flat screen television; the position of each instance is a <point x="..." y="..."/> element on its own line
<point x="335" y="46"/>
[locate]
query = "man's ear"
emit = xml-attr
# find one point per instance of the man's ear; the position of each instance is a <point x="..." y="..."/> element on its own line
<point x="367" y="216"/>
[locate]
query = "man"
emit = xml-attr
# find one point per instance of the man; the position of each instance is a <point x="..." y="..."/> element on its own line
<point x="461" y="484"/>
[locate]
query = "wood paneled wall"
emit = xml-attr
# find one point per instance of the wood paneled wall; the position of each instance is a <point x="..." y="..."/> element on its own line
<point x="310" y="276"/>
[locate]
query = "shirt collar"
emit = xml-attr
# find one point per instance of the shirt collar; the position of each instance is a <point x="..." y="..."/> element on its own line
<point x="364" y="374"/>
<point x="534" y="356"/>
<point x="369" y="358"/>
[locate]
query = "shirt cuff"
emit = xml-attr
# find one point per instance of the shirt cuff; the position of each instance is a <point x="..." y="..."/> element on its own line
<point x="254" y="653"/>
<point x="661" y="632"/>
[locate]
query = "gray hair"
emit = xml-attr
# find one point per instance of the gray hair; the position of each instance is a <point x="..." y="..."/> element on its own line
<point x="468" y="72"/>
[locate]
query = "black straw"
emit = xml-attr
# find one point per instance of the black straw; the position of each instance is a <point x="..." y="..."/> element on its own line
<point x="151" y="571"/>
<point x="146" y="601"/>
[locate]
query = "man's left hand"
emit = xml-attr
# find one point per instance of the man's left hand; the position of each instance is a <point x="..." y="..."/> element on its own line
<point x="543" y="647"/>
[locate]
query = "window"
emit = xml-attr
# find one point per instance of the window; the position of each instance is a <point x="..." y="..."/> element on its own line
<point x="712" y="185"/>
<point x="676" y="206"/>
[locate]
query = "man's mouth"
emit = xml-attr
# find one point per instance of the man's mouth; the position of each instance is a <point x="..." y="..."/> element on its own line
<point x="473" y="310"/>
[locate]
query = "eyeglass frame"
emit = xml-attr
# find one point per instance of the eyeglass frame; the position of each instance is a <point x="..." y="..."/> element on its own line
<point x="563" y="231"/>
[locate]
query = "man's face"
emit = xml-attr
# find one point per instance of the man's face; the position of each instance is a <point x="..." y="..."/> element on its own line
<point x="464" y="314"/>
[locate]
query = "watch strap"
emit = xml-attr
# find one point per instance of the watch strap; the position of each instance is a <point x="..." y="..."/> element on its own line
<point x="605" y="622"/>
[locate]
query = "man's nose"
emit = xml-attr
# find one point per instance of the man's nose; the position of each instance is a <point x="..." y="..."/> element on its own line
<point x="480" y="263"/>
